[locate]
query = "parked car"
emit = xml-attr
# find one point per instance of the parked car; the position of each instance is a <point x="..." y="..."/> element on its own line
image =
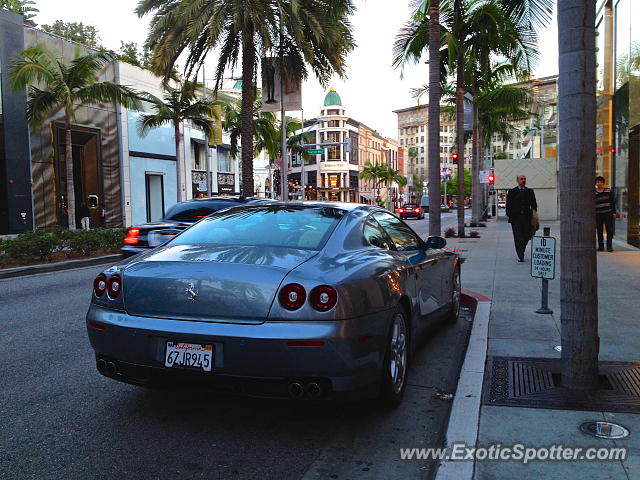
<point x="298" y="300"/>
<point x="140" y="238"/>
<point x="502" y="204"/>
<point x="411" y="210"/>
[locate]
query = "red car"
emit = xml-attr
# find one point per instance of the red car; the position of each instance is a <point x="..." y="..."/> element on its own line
<point x="411" y="210"/>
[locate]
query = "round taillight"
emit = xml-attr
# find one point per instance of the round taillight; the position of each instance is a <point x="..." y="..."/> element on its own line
<point x="100" y="285"/>
<point x="114" y="285"/>
<point x="323" y="298"/>
<point x="292" y="296"/>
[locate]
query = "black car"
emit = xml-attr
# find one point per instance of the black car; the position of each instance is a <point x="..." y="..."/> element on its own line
<point x="411" y="210"/>
<point x="182" y="215"/>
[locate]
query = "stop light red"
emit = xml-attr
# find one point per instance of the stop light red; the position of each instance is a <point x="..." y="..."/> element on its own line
<point x="454" y="157"/>
<point x="492" y="178"/>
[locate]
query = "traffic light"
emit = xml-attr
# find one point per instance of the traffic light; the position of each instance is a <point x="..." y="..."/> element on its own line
<point x="454" y="158"/>
<point x="492" y="178"/>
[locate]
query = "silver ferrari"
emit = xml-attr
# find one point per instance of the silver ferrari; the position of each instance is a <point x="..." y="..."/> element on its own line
<point x="300" y="300"/>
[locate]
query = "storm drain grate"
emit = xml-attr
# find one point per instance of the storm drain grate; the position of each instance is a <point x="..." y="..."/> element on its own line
<point x="536" y="383"/>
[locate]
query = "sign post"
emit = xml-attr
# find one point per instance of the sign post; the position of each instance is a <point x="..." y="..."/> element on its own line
<point x="543" y="265"/>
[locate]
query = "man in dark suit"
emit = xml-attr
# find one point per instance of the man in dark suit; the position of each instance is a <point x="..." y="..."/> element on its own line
<point x="521" y="203"/>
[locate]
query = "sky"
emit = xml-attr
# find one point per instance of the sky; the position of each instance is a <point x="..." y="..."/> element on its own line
<point x="372" y="89"/>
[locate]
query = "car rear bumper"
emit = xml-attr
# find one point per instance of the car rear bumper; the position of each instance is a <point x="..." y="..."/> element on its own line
<point x="251" y="359"/>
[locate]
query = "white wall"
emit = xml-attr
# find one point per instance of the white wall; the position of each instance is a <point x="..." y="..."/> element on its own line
<point x="542" y="177"/>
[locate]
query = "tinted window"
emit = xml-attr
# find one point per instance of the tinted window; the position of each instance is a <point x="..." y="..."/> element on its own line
<point x="374" y="234"/>
<point x="402" y="236"/>
<point x="410" y="205"/>
<point x="194" y="211"/>
<point x="275" y="226"/>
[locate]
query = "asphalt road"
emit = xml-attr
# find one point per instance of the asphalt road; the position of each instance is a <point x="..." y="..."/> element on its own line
<point x="61" y="419"/>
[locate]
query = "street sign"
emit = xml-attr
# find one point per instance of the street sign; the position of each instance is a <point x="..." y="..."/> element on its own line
<point x="315" y="151"/>
<point x="543" y="257"/>
<point x="484" y="176"/>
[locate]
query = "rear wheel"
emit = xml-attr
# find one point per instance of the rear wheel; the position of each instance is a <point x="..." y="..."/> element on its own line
<point x="395" y="365"/>
<point x="456" y="293"/>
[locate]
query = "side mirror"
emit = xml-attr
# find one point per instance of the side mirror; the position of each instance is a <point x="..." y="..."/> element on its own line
<point x="435" y="242"/>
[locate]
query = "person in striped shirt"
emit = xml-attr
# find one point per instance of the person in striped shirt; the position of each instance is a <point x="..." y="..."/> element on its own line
<point x="605" y="214"/>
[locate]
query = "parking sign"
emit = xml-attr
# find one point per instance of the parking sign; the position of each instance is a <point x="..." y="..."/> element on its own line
<point x="543" y="257"/>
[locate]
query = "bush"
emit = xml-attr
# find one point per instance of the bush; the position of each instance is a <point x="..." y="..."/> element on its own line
<point x="482" y="224"/>
<point x="31" y="245"/>
<point x="85" y="242"/>
<point x="474" y="234"/>
<point x="449" y="232"/>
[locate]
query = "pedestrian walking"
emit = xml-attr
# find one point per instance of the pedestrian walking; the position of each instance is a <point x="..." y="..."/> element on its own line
<point x="605" y="214"/>
<point x="521" y="203"/>
<point x="84" y="214"/>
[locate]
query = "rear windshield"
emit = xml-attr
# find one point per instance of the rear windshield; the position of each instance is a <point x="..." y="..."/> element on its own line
<point x="194" y="211"/>
<point x="268" y="226"/>
<point x="410" y="205"/>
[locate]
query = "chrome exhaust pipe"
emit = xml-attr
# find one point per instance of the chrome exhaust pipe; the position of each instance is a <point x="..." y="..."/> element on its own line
<point x="111" y="368"/>
<point x="314" y="390"/>
<point x="295" y="390"/>
<point x="101" y="365"/>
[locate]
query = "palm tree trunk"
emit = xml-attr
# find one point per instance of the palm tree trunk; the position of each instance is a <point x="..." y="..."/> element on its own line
<point x="68" y="160"/>
<point x="577" y="132"/>
<point x="246" y="120"/>
<point x="460" y="139"/>
<point x="180" y="197"/>
<point x="435" y="227"/>
<point x="475" y="169"/>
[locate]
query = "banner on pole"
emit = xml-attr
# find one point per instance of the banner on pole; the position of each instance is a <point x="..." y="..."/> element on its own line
<point x="271" y="78"/>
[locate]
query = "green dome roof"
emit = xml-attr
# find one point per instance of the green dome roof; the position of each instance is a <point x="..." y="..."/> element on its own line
<point x="332" y="98"/>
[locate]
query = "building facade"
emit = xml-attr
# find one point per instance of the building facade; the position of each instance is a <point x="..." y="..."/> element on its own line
<point x="332" y="175"/>
<point x="122" y="176"/>
<point x="618" y="117"/>
<point x="413" y="130"/>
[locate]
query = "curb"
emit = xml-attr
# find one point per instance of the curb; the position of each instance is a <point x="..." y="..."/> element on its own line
<point x="54" y="267"/>
<point x="464" y="419"/>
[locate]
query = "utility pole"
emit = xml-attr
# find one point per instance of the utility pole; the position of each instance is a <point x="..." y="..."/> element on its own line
<point x="207" y="147"/>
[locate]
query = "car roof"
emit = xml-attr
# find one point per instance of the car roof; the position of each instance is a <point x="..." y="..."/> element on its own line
<point x="340" y="205"/>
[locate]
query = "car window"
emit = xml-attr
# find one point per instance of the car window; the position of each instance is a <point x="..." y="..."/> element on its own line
<point x="410" y="205"/>
<point x="402" y="236"/>
<point x="375" y="235"/>
<point x="265" y="225"/>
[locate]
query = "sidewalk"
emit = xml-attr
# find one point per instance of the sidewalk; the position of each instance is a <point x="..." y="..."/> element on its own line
<point x="515" y="330"/>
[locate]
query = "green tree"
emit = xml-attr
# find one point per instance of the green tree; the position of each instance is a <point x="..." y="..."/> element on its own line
<point x="314" y="32"/>
<point x="128" y="53"/>
<point x="452" y="185"/>
<point x="76" y="32"/>
<point x="54" y="85"/>
<point x="178" y="105"/>
<point x="25" y="8"/>
<point x="577" y="129"/>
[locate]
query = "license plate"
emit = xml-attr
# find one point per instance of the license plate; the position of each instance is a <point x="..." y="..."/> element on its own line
<point x="192" y="355"/>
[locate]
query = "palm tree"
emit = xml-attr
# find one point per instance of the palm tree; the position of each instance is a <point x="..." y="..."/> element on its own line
<point x="577" y="129"/>
<point x="373" y="172"/>
<point x="263" y="127"/>
<point x="471" y="27"/>
<point x="435" y="228"/>
<point x="54" y="85"/>
<point x="314" y="32"/>
<point x="390" y="176"/>
<point x="25" y="8"/>
<point x="178" y="105"/>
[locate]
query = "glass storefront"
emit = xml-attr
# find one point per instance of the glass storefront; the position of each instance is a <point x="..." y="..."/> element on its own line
<point x="618" y="132"/>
